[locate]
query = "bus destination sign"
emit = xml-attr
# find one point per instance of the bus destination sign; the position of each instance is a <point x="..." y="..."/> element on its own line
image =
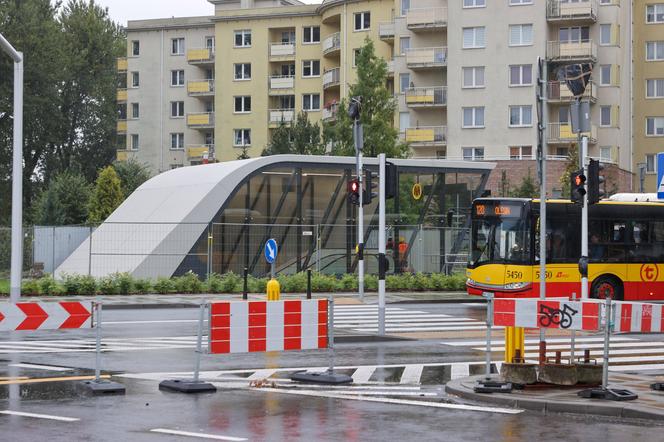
<point x="483" y="209"/>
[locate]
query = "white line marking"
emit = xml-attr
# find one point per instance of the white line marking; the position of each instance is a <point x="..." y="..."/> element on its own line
<point x="532" y="341"/>
<point x="412" y="374"/>
<point x="422" y="329"/>
<point x="199" y="435"/>
<point x="41" y="367"/>
<point x="372" y="320"/>
<point x="40" y="416"/>
<point x="363" y="374"/>
<point x="163" y="321"/>
<point x="460" y="371"/>
<point x="639" y="367"/>
<point x="634" y="344"/>
<point x="262" y="374"/>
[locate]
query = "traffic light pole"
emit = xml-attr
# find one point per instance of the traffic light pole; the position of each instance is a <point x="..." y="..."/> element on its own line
<point x="358" y="137"/>
<point x="381" y="244"/>
<point x="583" y="265"/>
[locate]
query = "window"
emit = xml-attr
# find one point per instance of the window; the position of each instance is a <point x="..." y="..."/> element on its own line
<point x="311" y="68"/>
<point x="404" y="82"/>
<point x="362" y="21"/>
<point x="135" y="48"/>
<point x="404" y="121"/>
<point x="474" y="3"/>
<point x="356" y="55"/>
<point x="521" y="152"/>
<point x="473" y="117"/>
<point x="242" y="137"/>
<point x="605" y="116"/>
<point x="177" y="78"/>
<point x="605" y="75"/>
<point x="135" y="79"/>
<point x="473" y="77"/>
<point x="521" y="35"/>
<point x="288" y="37"/>
<point x="576" y="34"/>
<point x="405" y="6"/>
<point x="521" y="116"/>
<point x="404" y="44"/>
<point x="655" y="88"/>
<point x="242" y="71"/>
<point x="521" y="75"/>
<point x="655" y="13"/>
<point x="243" y="38"/>
<point x="135" y="111"/>
<point x="474" y="37"/>
<point x="605" y="35"/>
<point x="177" y="141"/>
<point x="473" y="153"/>
<point x="243" y="104"/>
<point x="520" y="2"/>
<point x="288" y="70"/>
<point x="311" y="34"/>
<point x="177" y="109"/>
<point x="287" y="102"/>
<point x="655" y="51"/>
<point x="311" y="102"/>
<point x="177" y="46"/>
<point x="135" y="143"/>
<point x="650" y="163"/>
<point x="605" y="153"/>
<point x="209" y="43"/>
<point x="655" y="126"/>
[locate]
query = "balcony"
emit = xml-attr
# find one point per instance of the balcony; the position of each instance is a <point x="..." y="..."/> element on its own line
<point x="434" y="96"/>
<point x="200" y="120"/>
<point x="199" y="152"/>
<point x="330" y="112"/>
<point x="281" y="83"/>
<point x="426" y="19"/>
<point x="331" y="78"/>
<point x="200" y="88"/>
<point x="200" y="56"/>
<point x="121" y="95"/>
<point x="426" y="136"/>
<point x="561" y="133"/>
<point x="278" y="117"/>
<point x="386" y="30"/>
<point x="282" y="51"/>
<point x="557" y="51"/>
<point x="122" y="126"/>
<point x="426" y="58"/>
<point x="558" y="92"/>
<point x="332" y="44"/>
<point x="123" y="64"/>
<point x="573" y="12"/>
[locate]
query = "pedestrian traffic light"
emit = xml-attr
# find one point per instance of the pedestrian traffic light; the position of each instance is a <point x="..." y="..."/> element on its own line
<point x="391" y="180"/>
<point x="370" y="187"/>
<point x="354" y="191"/>
<point x="578" y="186"/>
<point x="576" y="76"/>
<point x="594" y="181"/>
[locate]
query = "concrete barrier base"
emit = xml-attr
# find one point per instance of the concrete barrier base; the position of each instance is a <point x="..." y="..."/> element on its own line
<point x="558" y="374"/>
<point x="519" y="373"/>
<point x="589" y="374"/>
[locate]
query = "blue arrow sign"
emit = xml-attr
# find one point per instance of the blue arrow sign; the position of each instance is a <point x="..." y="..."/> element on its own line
<point x="660" y="176"/>
<point x="271" y="250"/>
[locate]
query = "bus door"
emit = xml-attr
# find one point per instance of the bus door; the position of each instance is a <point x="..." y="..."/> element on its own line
<point x="563" y="249"/>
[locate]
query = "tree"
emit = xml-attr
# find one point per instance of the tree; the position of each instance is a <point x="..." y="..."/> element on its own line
<point x="64" y="202"/>
<point x="301" y="138"/>
<point x="571" y="166"/>
<point x="244" y="153"/>
<point x="107" y="195"/>
<point x="132" y="174"/>
<point x="378" y="107"/>
<point x="527" y="189"/>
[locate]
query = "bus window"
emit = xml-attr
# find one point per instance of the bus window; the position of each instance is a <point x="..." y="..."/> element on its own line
<point x="642" y="249"/>
<point x="562" y="242"/>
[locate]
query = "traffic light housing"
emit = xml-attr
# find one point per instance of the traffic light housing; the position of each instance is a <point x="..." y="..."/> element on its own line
<point x="391" y="180"/>
<point x="578" y="186"/>
<point x="576" y="76"/>
<point x="354" y="191"/>
<point x="370" y="187"/>
<point x="594" y="181"/>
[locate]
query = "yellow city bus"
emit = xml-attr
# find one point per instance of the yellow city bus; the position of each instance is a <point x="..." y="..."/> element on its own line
<point x="625" y="249"/>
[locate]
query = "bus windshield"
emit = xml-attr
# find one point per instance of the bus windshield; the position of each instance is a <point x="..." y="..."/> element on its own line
<point x="500" y="240"/>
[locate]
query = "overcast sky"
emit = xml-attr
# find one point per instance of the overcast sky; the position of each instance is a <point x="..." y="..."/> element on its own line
<point x="123" y="10"/>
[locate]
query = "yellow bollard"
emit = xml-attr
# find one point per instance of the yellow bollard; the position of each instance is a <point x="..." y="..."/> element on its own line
<point x="520" y="342"/>
<point x="509" y="344"/>
<point x="273" y="290"/>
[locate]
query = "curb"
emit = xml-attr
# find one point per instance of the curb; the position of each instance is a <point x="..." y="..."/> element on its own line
<point x="585" y="407"/>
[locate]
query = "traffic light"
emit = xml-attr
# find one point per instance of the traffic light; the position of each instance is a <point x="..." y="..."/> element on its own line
<point x="594" y="181"/>
<point x="354" y="191"/>
<point x="578" y="186"/>
<point x="370" y="186"/>
<point x="391" y="180"/>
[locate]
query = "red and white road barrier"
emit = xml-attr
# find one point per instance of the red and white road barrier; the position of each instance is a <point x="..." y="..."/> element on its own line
<point x="638" y="317"/>
<point x="258" y="326"/>
<point x="45" y="315"/>
<point x="533" y="313"/>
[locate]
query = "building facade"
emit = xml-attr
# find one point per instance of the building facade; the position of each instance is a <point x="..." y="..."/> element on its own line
<point x="465" y="82"/>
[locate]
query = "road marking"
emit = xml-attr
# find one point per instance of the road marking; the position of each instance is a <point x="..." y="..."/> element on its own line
<point x="162" y="321"/>
<point x="13" y="378"/>
<point x="199" y="435"/>
<point x="40" y="416"/>
<point x="639" y="367"/>
<point x="460" y="371"/>
<point x="41" y="367"/>
<point x="262" y="374"/>
<point x="59" y="379"/>
<point x="421" y="329"/>
<point x="533" y="341"/>
<point x="363" y="374"/>
<point x="412" y="374"/>
<point x="584" y="346"/>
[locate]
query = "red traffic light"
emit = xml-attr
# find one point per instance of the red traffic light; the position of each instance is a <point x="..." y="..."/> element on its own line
<point x="580" y="180"/>
<point x="353" y="186"/>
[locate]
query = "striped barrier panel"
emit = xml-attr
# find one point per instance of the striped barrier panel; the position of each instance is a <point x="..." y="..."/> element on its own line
<point x="258" y="326"/>
<point x="638" y="317"/>
<point x="533" y="313"/>
<point x="45" y="315"/>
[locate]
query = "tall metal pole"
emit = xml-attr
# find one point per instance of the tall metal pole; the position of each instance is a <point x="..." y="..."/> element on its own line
<point x="17" y="173"/>
<point x="381" y="244"/>
<point x="584" y="219"/>
<point x="359" y="145"/>
<point x="541" y="151"/>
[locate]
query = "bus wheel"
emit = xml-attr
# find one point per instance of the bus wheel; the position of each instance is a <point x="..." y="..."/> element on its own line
<point x="607" y="286"/>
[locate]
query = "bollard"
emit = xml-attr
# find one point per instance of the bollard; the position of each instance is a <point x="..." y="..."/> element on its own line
<point x="572" y="349"/>
<point x="558" y="357"/>
<point x="542" y="352"/>
<point x="245" y="287"/>
<point x="308" y="283"/>
<point x="273" y="290"/>
<point x="586" y="356"/>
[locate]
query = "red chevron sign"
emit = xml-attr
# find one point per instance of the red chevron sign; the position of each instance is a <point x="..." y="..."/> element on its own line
<point x="45" y="315"/>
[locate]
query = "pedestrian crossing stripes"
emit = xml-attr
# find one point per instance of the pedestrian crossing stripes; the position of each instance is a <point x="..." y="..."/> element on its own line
<point x="364" y="319"/>
<point x="88" y="345"/>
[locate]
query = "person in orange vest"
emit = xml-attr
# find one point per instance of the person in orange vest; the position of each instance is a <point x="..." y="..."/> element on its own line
<point x="403" y="254"/>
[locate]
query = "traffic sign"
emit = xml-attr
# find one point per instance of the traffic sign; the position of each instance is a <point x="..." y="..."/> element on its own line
<point x="417" y="191"/>
<point x="660" y="176"/>
<point x="271" y="250"/>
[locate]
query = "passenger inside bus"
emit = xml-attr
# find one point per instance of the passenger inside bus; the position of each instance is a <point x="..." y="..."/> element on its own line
<point x="596" y="250"/>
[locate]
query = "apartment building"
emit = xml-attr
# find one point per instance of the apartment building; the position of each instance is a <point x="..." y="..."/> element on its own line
<point x="648" y="104"/>
<point x="463" y="72"/>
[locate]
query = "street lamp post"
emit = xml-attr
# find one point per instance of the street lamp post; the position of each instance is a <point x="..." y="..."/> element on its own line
<point x="17" y="173"/>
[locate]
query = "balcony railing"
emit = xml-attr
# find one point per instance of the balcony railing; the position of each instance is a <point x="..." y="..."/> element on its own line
<point x="386" y="30"/>
<point x="330" y="112"/>
<point x="561" y="133"/>
<point x="332" y="43"/>
<point x="427" y="135"/>
<point x="122" y="126"/>
<point x="559" y="10"/>
<point x="558" y="91"/>
<point x="426" y="57"/>
<point x="331" y="78"/>
<point x="121" y="95"/>
<point x="200" y="87"/>
<point x="577" y="51"/>
<point x="199" y="151"/>
<point x="123" y="64"/>
<point x="282" y="82"/>
<point x="426" y="18"/>
<point x="282" y="49"/>
<point x="426" y="96"/>
<point x="280" y="116"/>
<point x="200" y="56"/>
<point x="200" y="120"/>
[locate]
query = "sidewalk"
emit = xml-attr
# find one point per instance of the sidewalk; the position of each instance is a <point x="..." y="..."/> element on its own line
<point x="649" y="405"/>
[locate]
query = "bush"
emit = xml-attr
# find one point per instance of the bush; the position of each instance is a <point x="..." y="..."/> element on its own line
<point x="350" y="282"/>
<point x="88" y="285"/>
<point x="164" y="286"/>
<point x="231" y="283"/>
<point x="30" y="287"/>
<point x="109" y="285"/>
<point x="49" y="286"/>
<point x="323" y="283"/>
<point x="371" y="283"/>
<point x="293" y="283"/>
<point x="71" y="284"/>
<point x="257" y="285"/>
<point x="422" y="282"/>
<point x="214" y="283"/>
<point x="188" y="283"/>
<point x="125" y="283"/>
<point x="143" y="286"/>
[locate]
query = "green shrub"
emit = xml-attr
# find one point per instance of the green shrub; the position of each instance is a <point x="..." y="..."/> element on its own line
<point x="188" y="283"/>
<point x="438" y="281"/>
<point x="231" y="283"/>
<point x="323" y="283"/>
<point x="349" y="282"/>
<point x="125" y="283"/>
<point x="164" y="286"/>
<point x="422" y="282"/>
<point x="143" y="286"/>
<point x="49" y="286"/>
<point x="71" y="284"/>
<point x="371" y="283"/>
<point x="257" y="285"/>
<point x="87" y="285"/>
<point x="396" y="283"/>
<point x="296" y="283"/>
<point x="109" y="285"/>
<point x="214" y="283"/>
<point x="30" y="287"/>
